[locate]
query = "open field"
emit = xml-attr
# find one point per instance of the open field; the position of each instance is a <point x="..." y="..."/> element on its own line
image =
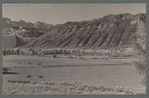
<point x="99" y="72"/>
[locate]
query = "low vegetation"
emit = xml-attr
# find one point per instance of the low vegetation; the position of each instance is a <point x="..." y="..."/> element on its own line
<point x="49" y="88"/>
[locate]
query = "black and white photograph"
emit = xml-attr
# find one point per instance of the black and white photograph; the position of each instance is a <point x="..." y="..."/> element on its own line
<point x="74" y="49"/>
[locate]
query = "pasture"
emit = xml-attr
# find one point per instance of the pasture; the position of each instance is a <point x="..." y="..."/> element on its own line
<point x="117" y="74"/>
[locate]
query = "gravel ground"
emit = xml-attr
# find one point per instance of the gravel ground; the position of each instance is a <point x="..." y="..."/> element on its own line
<point x="50" y="88"/>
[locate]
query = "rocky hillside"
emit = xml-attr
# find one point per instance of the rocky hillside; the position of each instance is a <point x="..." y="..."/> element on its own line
<point x="12" y="41"/>
<point x="106" y="32"/>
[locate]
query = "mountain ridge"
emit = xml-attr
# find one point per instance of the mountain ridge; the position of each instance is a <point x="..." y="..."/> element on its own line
<point x="109" y="31"/>
<point x="41" y="26"/>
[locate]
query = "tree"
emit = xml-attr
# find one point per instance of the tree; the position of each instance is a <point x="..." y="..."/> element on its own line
<point x="140" y="40"/>
<point x="140" y="44"/>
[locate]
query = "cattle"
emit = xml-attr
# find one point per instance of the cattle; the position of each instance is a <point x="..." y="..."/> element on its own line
<point x="29" y="76"/>
<point x="39" y="63"/>
<point x="40" y="76"/>
<point x="79" y="55"/>
<point x="5" y="69"/>
<point x="54" y="56"/>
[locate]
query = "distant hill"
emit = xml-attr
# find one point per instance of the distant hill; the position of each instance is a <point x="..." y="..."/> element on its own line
<point x="6" y="23"/>
<point x="41" y="26"/>
<point x="24" y="31"/>
<point x="109" y="31"/>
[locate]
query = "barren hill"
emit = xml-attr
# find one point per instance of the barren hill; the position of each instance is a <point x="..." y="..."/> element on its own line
<point x="109" y="31"/>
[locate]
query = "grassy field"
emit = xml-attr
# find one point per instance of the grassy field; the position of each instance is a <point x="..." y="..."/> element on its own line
<point x="86" y="74"/>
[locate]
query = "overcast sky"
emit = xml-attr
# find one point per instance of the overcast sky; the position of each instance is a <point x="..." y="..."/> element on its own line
<point x="61" y="13"/>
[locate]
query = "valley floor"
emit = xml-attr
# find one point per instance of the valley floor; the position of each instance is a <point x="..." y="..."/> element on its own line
<point x="70" y="75"/>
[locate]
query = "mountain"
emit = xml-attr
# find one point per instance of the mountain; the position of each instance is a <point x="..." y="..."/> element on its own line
<point x="22" y="32"/>
<point x="22" y="23"/>
<point x="6" y="22"/>
<point x="109" y="31"/>
<point x="15" y="31"/>
<point x="41" y="26"/>
<point x="22" y="35"/>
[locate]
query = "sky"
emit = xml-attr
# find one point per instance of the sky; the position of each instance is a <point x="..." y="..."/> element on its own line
<point x="57" y="13"/>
